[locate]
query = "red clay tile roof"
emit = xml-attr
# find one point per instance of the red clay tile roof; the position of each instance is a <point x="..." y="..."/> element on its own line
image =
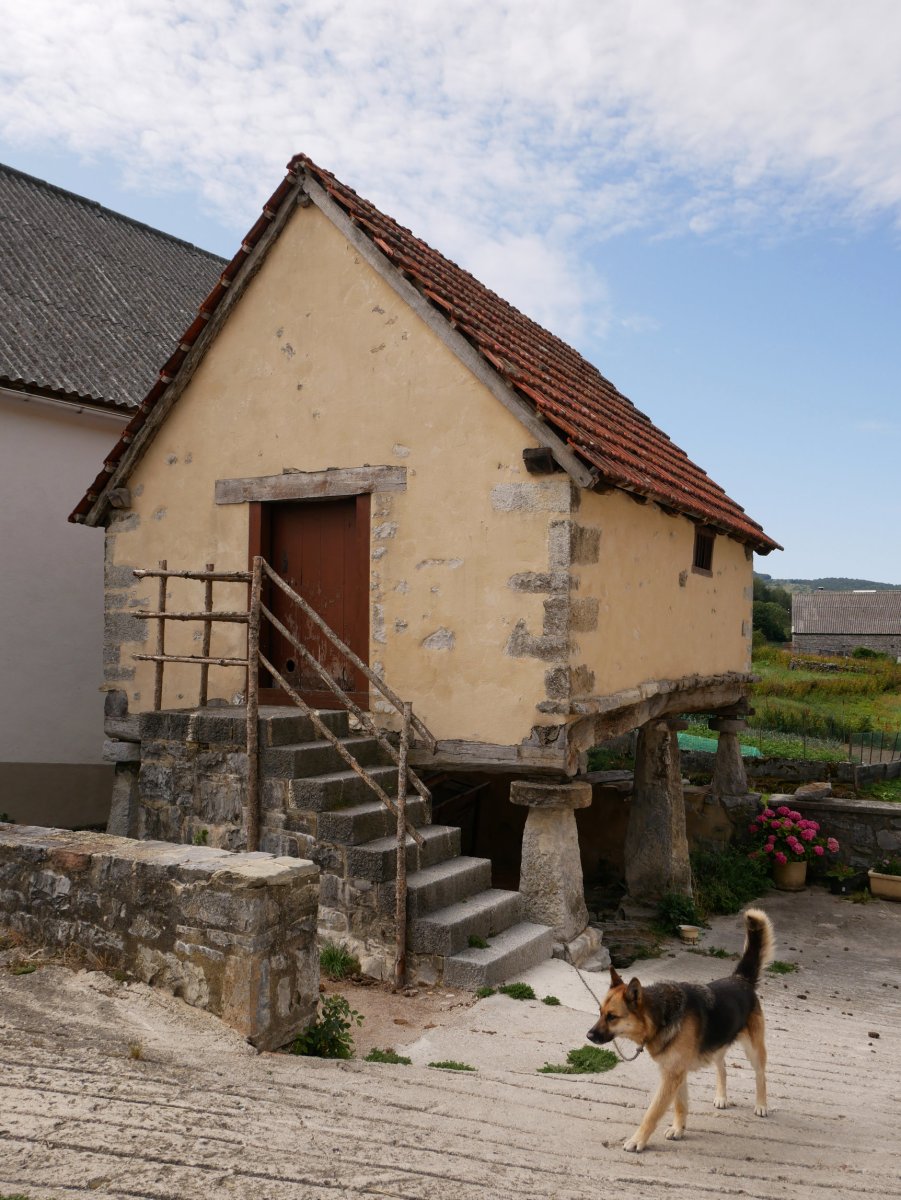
<point x="585" y="409"/>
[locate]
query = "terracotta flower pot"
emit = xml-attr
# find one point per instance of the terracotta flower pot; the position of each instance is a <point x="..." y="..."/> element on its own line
<point x="886" y="887"/>
<point x="790" y="876"/>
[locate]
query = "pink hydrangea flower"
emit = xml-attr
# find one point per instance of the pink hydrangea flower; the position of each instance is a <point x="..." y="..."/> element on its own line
<point x="819" y="851"/>
<point x="832" y="845"/>
<point x="780" y="857"/>
<point x="775" y="824"/>
<point x="768" y="812"/>
<point x="808" y="835"/>
<point x="795" y="816"/>
<point x="782" y="810"/>
<point x="786" y="824"/>
<point x="769" y="848"/>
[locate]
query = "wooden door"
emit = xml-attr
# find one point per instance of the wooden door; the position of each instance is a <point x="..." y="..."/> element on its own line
<point x="321" y="548"/>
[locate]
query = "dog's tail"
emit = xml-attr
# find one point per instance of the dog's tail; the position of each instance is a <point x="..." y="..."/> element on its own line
<point x="759" y="942"/>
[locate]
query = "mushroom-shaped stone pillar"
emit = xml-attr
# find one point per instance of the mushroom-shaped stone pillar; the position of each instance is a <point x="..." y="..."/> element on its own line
<point x="656" y="842"/>
<point x="550" y="878"/>
<point x="729" y="776"/>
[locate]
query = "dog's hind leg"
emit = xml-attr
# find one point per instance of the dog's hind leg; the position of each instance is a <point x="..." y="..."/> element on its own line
<point x="676" y="1131"/>
<point x="719" y="1099"/>
<point x="754" y="1046"/>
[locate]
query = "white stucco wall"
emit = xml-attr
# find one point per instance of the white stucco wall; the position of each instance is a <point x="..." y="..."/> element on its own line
<point x="51" y="585"/>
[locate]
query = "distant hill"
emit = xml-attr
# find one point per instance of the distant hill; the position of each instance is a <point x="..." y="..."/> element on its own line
<point x="830" y="583"/>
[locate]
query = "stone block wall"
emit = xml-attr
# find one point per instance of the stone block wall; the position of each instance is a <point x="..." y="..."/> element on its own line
<point x="846" y="643"/>
<point x="867" y="830"/>
<point x="231" y="933"/>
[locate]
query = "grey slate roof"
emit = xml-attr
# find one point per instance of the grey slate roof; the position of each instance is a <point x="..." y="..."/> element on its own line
<point x="847" y="612"/>
<point x="91" y="302"/>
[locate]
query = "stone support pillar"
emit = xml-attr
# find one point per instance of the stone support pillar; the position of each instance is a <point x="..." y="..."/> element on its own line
<point x="729" y="777"/>
<point x="550" y="878"/>
<point x="656" y="842"/>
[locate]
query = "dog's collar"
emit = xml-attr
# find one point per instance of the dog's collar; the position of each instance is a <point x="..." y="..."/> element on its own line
<point x="622" y="1056"/>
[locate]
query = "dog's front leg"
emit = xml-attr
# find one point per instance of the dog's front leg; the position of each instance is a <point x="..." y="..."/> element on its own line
<point x="663" y="1098"/>
<point x="676" y="1131"/>
<point x="719" y="1099"/>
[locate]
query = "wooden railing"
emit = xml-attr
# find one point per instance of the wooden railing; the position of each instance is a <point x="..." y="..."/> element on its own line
<point x="257" y="612"/>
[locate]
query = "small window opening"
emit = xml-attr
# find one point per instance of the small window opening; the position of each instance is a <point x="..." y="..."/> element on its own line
<point x="703" y="557"/>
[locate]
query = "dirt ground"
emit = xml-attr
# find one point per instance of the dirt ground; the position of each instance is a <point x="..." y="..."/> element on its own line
<point x="122" y="1091"/>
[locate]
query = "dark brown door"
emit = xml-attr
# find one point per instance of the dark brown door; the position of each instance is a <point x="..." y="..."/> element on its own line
<point x="321" y="548"/>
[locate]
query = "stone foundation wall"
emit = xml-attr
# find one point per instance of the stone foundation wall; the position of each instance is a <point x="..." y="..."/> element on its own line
<point x="231" y="933"/>
<point x="846" y="643"/>
<point x="867" y="830"/>
<point x="192" y="788"/>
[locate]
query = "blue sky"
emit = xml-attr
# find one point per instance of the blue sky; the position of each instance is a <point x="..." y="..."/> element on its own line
<point x="701" y="195"/>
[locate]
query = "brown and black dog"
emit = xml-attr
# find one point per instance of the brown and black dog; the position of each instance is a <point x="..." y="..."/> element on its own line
<point x="684" y="1026"/>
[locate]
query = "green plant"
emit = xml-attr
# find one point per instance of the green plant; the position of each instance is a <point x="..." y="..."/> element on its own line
<point x="201" y="837"/>
<point x="330" y="1035"/>
<point x="585" y="1060"/>
<point x="778" y="967"/>
<point x="517" y="991"/>
<point x="861" y="897"/>
<point x="22" y="968"/>
<point x="784" y="835"/>
<point x="675" y="909"/>
<point x="891" y="865"/>
<point x="840" y="870"/>
<point x="712" y="951"/>
<point x="336" y="961"/>
<point x="387" y="1056"/>
<point x="552" y="1000"/>
<point x="482" y="992"/>
<point x="477" y="943"/>
<point x="18" y="1196"/>
<point x="725" y="880"/>
<point x="451" y="1064"/>
<point x="135" y="1050"/>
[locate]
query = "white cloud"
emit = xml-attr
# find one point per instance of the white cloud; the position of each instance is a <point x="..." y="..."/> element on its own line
<point x="505" y="133"/>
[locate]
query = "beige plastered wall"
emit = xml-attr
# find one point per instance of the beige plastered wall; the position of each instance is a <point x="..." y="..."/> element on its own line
<point x="656" y="617"/>
<point x="322" y="365"/>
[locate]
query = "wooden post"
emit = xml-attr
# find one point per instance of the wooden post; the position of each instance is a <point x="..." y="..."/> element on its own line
<point x="207" y="637"/>
<point x="160" y="640"/>
<point x="400" y="961"/>
<point x="253" y="669"/>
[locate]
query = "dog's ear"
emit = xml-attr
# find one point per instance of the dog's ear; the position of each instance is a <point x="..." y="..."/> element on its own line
<point x="616" y="980"/>
<point x="633" y="994"/>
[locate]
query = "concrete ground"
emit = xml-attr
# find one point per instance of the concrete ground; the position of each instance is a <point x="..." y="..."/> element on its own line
<point x="123" y="1091"/>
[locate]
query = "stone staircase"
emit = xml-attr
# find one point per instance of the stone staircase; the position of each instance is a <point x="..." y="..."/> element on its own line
<point x="316" y="807"/>
<point x="192" y="786"/>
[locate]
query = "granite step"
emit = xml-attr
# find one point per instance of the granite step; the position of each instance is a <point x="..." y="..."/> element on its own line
<point x="446" y="883"/>
<point x="336" y="790"/>
<point x="365" y="822"/>
<point x="448" y="930"/>
<point x="377" y="860"/>
<point x="293" y="727"/>
<point x="304" y="759"/>
<point x="509" y="954"/>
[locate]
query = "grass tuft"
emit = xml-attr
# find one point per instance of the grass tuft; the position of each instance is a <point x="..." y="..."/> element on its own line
<point x="482" y="992"/>
<point x="451" y="1064"/>
<point x="387" y="1056"/>
<point x="477" y="943"/>
<point x="778" y="967"/>
<point x="336" y="961"/>
<point x="135" y="1051"/>
<point x="550" y="1000"/>
<point x="585" y="1060"/>
<point x="518" y="991"/>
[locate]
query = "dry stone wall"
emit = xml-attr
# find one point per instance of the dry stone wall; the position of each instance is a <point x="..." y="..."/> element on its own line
<point x="231" y="933"/>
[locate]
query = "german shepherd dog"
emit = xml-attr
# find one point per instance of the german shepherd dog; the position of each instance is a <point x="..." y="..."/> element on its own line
<point x="684" y="1026"/>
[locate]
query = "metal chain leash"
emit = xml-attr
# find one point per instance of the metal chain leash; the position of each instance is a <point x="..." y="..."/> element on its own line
<point x="597" y="1001"/>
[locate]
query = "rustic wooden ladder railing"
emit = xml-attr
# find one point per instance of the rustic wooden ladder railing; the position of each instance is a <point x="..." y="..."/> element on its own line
<point x="253" y="617"/>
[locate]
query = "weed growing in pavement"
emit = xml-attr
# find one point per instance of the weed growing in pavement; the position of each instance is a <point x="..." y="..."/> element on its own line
<point x="387" y="1056"/>
<point x="336" y="961"/>
<point x="330" y="1035"/>
<point x="477" y="943"/>
<point x="482" y="992"/>
<point x="135" y="1050"/>
<point x="22" y="968"/>
<point x="550" y="1000"/>
<point x="451" y="1064"/>
<point x="517" y="991"/>
<point x="585" y="1060"/>
<point x="712" y="951"/>
<point x="778" y="967"/>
